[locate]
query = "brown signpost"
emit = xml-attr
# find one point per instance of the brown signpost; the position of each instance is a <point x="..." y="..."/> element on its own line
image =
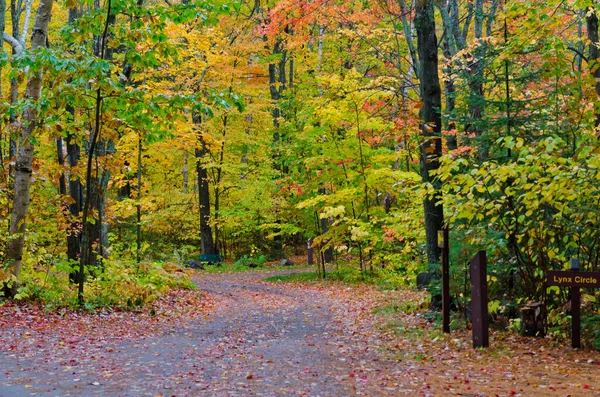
<point x="479" y="300"/>
<point x="444" y="245"/>
<point x="575" y="279"/>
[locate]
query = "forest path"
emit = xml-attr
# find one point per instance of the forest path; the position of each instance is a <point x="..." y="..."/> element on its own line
<point x="263" y="339"/>
<point x="248" y="337"/>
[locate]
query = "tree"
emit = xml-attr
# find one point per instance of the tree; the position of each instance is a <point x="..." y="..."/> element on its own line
<point x="24" y="160"/>
<point x="431" y="148"/>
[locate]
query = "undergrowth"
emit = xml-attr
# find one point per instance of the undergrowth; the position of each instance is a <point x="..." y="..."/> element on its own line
<point x="120" y="286"/>
<point x="383" y="278"/>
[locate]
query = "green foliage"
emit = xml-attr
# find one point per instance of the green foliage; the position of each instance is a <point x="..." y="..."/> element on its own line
<point x="537" y="211"/>
<point x="532" y="213"/>
<point x="120" y="286"/>
<point x="294" y="277"/>
<point x="591" y="331"/>
<point x="255" y="259"/>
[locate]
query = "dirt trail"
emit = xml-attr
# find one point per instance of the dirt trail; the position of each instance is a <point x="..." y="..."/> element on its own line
<point x="253" y="338"/>
<point x="263" y="339"/>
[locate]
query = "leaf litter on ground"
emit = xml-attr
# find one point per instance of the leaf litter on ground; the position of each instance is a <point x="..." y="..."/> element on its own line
<point x="393" y="352"/>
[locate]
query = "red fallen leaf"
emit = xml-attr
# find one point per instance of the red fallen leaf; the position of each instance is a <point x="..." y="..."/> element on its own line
<point x="586" y="386"/>
<point x="250" y="376"/>
<point x="351" y="375"/>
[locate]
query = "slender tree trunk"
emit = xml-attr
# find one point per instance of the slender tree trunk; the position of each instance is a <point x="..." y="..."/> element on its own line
<point x="95" y="235"/>
<point x="206" y="235"/>
<point x="76" y="193"/>
<point x="75" y="188"/>
<point x="245" y="149"/>
<point x="594" y="56"/>
<point x="277" y="84"/>
<point x="139" y="203"/>
<point x="431" y="148"/>
<point x="185" y="171"/>
<point x="93" y="186"/>
<point x="408" y="34"/>
<point x="2" y="27"/>
<point x="320" y="48"/>
<point x="24" y="160"/>
<point x="60" y="157"/>
<point x="451" y="140"/>
<point x="16" y="10"/>
<point x="476" y="97"/>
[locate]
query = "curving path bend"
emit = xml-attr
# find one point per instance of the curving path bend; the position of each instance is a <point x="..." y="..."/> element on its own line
<point x="261" y="339"/>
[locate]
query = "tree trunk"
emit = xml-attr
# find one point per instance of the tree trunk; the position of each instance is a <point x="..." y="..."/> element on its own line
<point x="76" y="194"/>
<point x="594" y="56"/>
<point x="450" y="88"/>
<point x="476" y="97"/>
<point x="2" y="26"/>
<point x="60" y="157"/>
<point x="277" y="84"/>
<point x="206" y="236"/>
<point x="75" y="188"/>
<point x="24" y="160"/>
<point x="93" y="244"/>
<point x="185" y="171"/>
<point x="93" y="185"/>
<point x="139" y="202"/>
<point x="431" y="148"/>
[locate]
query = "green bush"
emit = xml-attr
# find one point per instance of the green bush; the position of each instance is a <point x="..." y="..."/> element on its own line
<point x="120" y="285"/>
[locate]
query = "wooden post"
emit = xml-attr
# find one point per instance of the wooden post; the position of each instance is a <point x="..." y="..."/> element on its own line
<point x="479" y="300"/>
<point x="575" y="310"/>
<point x="445" y="246"/>
<point x="310" y="252"/>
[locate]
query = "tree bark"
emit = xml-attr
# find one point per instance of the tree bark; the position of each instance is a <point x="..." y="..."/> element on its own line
<point x="76" y="194"/>
<point x="431" y="148"/>
<point x="476" y="97"/>
<point x="594" y="57"/>
<point x="206" y="236"/>
<point x="139" y="201"/>
<point x="277" y="84"/>
<point x="2" y="26"/>
<point x="24" y="160"/>
<point x="185" y="171"/>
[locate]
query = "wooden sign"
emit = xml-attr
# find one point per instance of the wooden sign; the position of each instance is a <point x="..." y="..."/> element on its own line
<point x="571" y="278"/>
<point x="576" y="280"/>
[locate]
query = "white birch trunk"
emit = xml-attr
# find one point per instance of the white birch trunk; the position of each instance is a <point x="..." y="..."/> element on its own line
<point x="23" y="169"/>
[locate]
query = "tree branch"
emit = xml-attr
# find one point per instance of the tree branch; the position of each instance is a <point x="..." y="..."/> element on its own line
<point x="28" y="5"/>
<point x="576" y="51"/>
<point x="14" y="43"/>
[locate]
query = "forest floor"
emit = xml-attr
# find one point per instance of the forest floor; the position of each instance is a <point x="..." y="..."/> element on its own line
<point x="238" y="335"/>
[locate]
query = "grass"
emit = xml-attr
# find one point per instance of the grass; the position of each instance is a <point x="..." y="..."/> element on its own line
<point x="236" y="267"/>
<point x="294" y="277"/>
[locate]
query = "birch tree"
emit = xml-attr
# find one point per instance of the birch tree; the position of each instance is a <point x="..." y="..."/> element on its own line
<point x="24" y="159"/>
